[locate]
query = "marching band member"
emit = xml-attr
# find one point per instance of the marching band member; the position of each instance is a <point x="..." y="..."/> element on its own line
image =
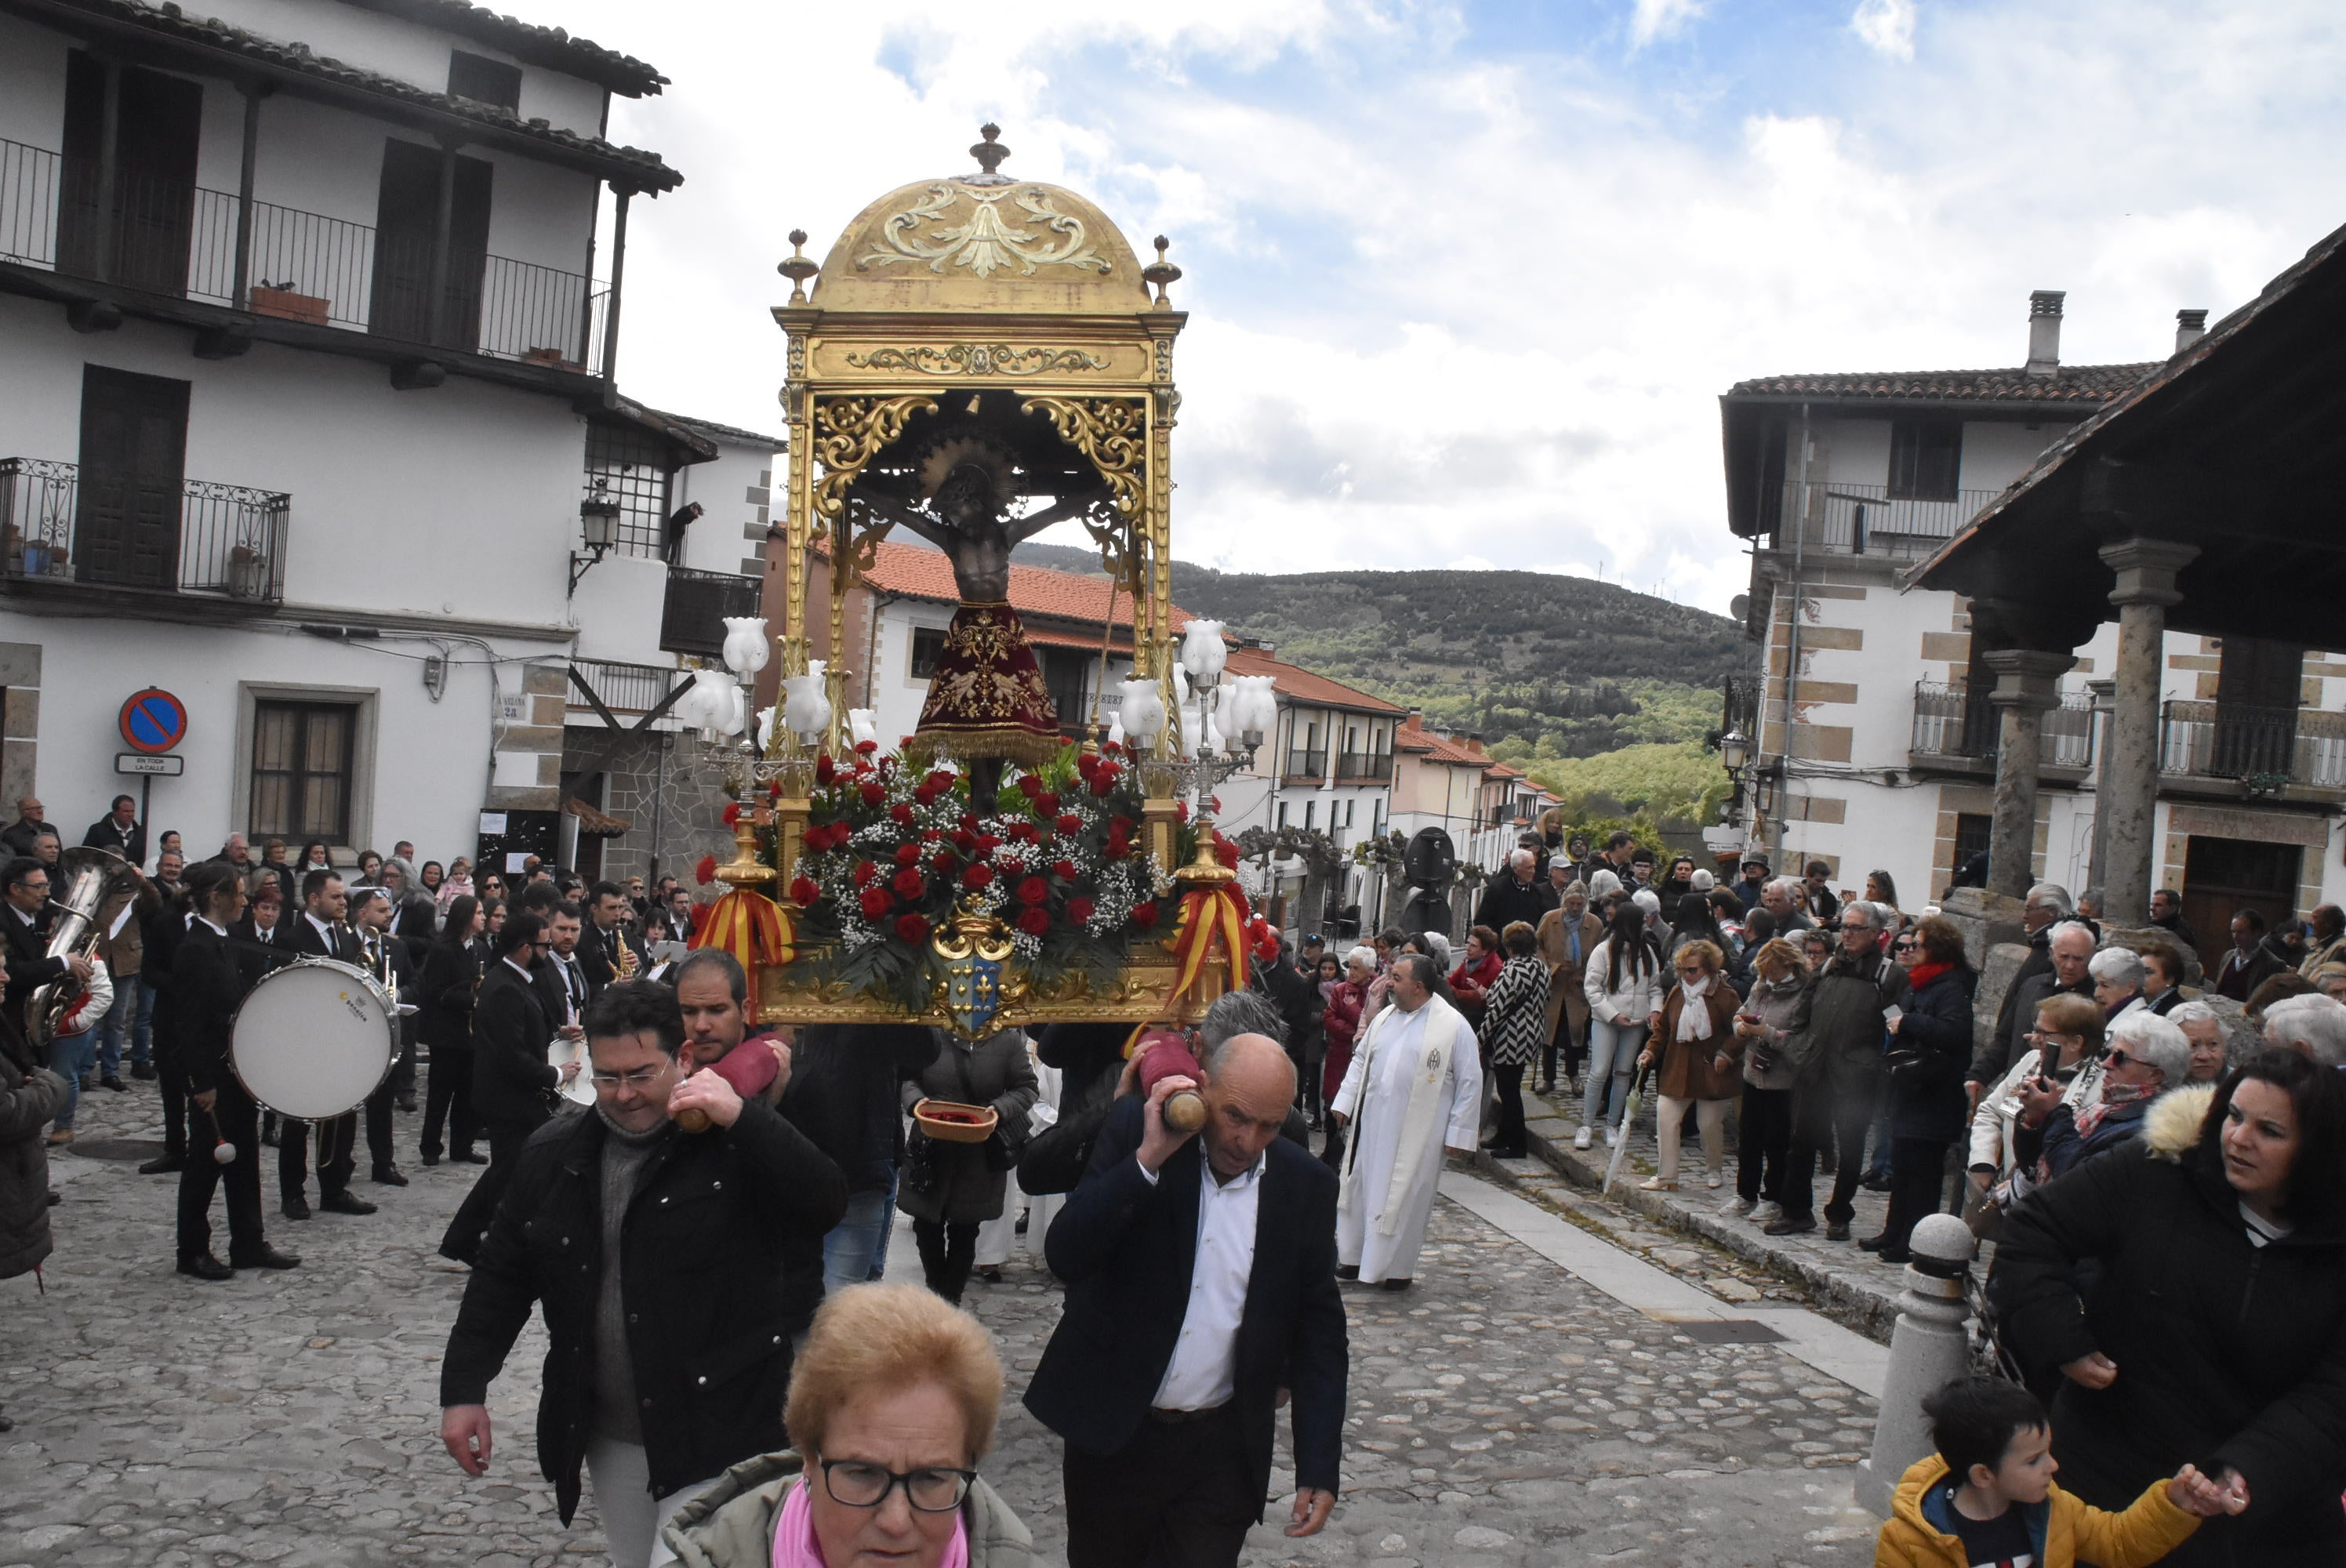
<point x="321" y="933"/>
<point x="207" y="985"/>
<point x="385" y="957"/>
<point x="513" y="1083"/>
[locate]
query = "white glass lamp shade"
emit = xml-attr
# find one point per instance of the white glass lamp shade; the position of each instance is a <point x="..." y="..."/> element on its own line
<point x="766" y="716"/>
<point x="691" y="709"/>
<point x="863" y="725"/>
<point x="804" y="708"/>
<point x="713" y="700"/>
<point x="1202" y="651"/>
<point x="1252" y="706"/>
<point x="1180" y="686"/>
<point x="1116" y="731"/>
<point x="1141" y="711"/>
<point x="746" y="649"/>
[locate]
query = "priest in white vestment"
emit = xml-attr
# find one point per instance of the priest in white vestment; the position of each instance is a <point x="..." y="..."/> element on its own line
<point x="1414" y="1086"/>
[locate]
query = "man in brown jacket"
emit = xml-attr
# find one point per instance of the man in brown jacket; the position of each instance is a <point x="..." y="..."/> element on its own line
<point x="1567" y="935"/>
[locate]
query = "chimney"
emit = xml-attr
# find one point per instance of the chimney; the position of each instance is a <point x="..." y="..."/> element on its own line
<point x="2044" y="331"/>
<point x="2190" y="326"/>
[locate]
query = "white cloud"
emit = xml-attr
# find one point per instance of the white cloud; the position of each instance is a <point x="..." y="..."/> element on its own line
<point x="1655" y="19"/>
<point x="1886" y="25"/>
<point x="1446" y="303"/>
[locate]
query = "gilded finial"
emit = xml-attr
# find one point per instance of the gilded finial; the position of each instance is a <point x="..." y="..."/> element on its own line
<point x="989" y="154"/>
<point x="798" y="267"/>
<point x="1162" y="273"/>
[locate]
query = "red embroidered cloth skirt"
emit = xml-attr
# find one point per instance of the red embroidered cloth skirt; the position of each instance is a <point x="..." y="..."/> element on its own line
<point x="987" y="697"/>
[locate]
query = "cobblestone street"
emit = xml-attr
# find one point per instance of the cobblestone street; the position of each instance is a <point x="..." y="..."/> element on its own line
<point x="1505" y="1411"/>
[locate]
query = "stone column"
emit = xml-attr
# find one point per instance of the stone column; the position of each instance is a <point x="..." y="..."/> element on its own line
<point x="2027" y="683"/>
<point x="2145" y="572"/>
<point x="2105" y="696"/>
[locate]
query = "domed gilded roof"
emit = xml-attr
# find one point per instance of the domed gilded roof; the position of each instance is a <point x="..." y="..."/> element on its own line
<point x="981" y="241"/>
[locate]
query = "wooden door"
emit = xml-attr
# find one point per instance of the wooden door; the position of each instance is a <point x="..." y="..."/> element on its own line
<point x="134" y="441"/>
<point x="158" y="120"/>
<point x="407" y="215"/>
<point x="2222" y="876"/>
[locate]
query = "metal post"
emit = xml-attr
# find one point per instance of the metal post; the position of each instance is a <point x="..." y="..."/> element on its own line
<point x="442" y="222"/>
<point x="618" y="276"/>
<point x="239" y="290"/>
<point x="586" y="288"/>
<point x="1929" y="1349"/>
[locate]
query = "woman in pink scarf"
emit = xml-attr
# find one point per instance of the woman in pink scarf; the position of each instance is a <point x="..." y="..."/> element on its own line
<point x="891" y="1406"/>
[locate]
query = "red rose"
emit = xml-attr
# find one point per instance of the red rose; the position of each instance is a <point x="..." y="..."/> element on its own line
<point x="1144" y="913"/>
<point x="907" y="854"/>
<point x="876" y="903"/>
<point x="873" y="793"/>
<point x="938" y="779"/>
<point x="1047" y="804"/>
<point x="867" y="747"/>
<point x="969" y="821"/>
<point x="978" y="876"/>
<point x="774" y="791"/>
<point x="909" y="883"/>
<point x="1033" y="890"/>
<point x="1030" y="786"/>
<point x="1079" y="911"/>
<point x="1033" y="921"/>
<point x="1118" y="850"/>
<point x="911" y="930"/>
<point x="930" y="835"/>
<point x="964" y="838"/>
<point x="1180" y="810"/>
<point x="1112" y="748"/>
<point x="866" y="874"/>
<point x="1121" y="826"/>
<point x="1103" y="781"/>
<point x="824" y="772"/>
<point x="803" y="893"/>
<point x="901" y="814"/>
<point x="1069" y="823"/>
<point x="942" y="860"/>
<point x="986" y="844"/>
<point x="705" y="872"/>
<point x="731" y="814"/>
<point x="1064" y="870"/>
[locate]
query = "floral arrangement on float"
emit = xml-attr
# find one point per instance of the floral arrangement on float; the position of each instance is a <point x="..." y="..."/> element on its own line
<point x="894" y="853"/>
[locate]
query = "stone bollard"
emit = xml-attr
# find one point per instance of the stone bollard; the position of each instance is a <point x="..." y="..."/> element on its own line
<point x="1929" y="1349"/>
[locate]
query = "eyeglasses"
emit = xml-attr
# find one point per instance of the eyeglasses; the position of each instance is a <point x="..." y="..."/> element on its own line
<point x="2116" y="1057"/>
<point x="641" y="1078"/>
<point x="860" y="1485"/>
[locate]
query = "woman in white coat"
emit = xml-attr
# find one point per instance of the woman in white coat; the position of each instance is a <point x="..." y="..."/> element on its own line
<point x="1623" y="984"/>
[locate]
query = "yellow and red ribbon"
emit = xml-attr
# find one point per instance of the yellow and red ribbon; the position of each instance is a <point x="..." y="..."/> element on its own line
<point x="1206" y="914"/>
<point x="752" y="928"/>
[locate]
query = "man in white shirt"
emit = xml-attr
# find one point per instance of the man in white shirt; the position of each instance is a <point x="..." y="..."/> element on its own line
<point x="1201" y="1285"/>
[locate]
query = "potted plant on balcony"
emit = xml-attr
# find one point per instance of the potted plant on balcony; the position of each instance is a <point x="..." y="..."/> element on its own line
<point x="284" y="300"/>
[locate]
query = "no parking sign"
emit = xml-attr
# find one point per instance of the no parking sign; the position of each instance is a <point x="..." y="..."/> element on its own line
<point x="153" y="721"/>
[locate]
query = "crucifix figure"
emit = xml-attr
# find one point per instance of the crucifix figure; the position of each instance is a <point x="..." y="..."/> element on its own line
<point x="987" y="701"/>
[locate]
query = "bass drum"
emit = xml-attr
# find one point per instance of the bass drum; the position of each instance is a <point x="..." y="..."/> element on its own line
<point x="314" y="1039"/>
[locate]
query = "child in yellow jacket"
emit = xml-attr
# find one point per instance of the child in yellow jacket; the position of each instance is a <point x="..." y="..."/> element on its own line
<point x="1987" y="1499"/>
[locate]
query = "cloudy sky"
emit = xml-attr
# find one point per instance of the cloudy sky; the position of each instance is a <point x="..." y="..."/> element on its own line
<point x="1465" y="280"/>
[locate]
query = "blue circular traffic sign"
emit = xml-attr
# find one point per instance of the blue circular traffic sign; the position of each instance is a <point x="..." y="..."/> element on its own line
<point x="153" y="721"/>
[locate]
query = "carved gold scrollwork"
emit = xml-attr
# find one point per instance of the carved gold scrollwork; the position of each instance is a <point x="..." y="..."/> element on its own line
<point x="849" y="432"/>
<point x="1114" y="434"/>
<point x="976" y="360"/>
<point x="986" y="241"/>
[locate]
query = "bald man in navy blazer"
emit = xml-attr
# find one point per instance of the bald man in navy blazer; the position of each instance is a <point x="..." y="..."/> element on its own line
<point x="1201" y="1284"/>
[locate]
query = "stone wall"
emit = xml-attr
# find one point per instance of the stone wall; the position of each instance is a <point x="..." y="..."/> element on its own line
<point x="674" y="812"/>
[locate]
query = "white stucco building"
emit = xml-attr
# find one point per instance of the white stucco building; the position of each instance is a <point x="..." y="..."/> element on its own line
<point x="309" y="323"/>
<point x="1874" y="740"/>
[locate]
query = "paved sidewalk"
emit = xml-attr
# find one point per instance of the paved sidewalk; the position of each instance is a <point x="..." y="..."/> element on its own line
<point x="1506" y="1413"/>
<point x="1852" y="1284"/>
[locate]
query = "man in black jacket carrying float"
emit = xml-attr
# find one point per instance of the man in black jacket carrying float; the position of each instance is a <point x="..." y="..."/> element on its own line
<point x="657" y="1258"/>
<point x="1201" y="1282"/>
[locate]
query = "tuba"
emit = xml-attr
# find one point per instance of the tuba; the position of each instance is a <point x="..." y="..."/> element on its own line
<point x="83" y="884"/>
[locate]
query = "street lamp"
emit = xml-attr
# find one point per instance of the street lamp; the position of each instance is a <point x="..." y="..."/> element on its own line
<point x="1734" y="750"/>
<point x="598" y="521"/>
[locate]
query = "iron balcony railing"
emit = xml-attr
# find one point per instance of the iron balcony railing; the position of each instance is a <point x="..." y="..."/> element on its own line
<point x="1303" y="764"/>
<point x="181" y="240"/>
<point x="692" y="618"/>
<point x="1950" y="721"/>
<point x="628" y="691"/>
<point x="60" y="524"/>
<point x="1373" y="766"/>
<point x="1868" y="520"/>
<point x="2267" y="749"/>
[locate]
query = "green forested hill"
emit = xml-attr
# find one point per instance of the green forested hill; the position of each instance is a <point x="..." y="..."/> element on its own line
<point x="1540" y="666"/>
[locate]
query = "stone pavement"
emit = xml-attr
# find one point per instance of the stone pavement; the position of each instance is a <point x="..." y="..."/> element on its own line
<point x="1853" y="1284"/>
<point x="1504" y="1412"/>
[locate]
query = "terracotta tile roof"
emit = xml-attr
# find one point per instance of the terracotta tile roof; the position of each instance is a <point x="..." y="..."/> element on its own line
<point x="642" y="168"/>
<point x="2069" y="384"/>
<point x="1413" y="735"/>
<point x="914" y="572"/>
<point x="1302" y="685"/>
<point x="593" y="822"/>
<point x="1500" y="770"/>
<point x="532" y="45"/>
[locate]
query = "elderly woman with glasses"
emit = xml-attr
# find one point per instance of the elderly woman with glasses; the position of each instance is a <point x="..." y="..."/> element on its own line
<point x="893" y="1405"/>
<point x="2147" y="1056"/>
<point x="1930" y="1046"/>
<point x="1692" y="1034"/>
<point x="2063" y="1061"/>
